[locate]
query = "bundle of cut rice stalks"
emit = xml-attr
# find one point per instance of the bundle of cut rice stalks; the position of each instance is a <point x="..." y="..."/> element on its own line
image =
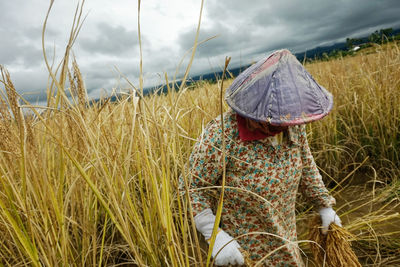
<point x="333" y="249"/>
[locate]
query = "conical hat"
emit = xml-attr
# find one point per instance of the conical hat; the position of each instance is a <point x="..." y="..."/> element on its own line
<point x="279" y="90"/>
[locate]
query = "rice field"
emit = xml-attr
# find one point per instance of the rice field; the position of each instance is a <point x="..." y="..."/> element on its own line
<point x="96" y="184"/>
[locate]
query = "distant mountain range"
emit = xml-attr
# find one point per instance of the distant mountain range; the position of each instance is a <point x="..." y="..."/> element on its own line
<point x="318" y="51"/>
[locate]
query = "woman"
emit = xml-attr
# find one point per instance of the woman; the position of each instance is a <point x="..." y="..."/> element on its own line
<point x="267" y="161"/>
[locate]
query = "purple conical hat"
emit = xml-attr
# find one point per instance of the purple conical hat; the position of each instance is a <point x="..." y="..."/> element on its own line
<point x="278" y="89"/>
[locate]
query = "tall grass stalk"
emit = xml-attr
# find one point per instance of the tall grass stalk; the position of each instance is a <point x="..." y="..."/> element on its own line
<point x="221" y="196"/>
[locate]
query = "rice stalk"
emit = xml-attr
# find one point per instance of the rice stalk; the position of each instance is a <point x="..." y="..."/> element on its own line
<point x="333" y="249"/>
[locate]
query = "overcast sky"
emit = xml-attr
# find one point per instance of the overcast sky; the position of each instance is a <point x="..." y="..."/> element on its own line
<point x="245" y="30"/>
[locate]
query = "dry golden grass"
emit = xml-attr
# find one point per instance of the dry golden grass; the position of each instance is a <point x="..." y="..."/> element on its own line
<point x="366" y="117"/>
<point x="334" y="249"/>
<point x="98" y="186"/>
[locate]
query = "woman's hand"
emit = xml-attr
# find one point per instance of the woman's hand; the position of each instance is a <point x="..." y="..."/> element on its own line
<point x="328" y="216"/>
<point x="230" y="254"/>
<point x="226" y="249"/>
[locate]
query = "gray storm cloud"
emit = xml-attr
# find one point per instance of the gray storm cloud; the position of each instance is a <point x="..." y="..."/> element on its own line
<point x="226" y="40"/>
<point x="17" y="49"/>
<point x="110" y="40"/>
<point x="258" y="27"/>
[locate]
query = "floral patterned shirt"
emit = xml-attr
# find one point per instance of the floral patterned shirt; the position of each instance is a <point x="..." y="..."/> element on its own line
<point x="262" y="181"/>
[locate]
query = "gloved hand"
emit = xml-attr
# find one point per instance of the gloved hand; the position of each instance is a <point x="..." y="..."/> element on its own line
<point x="230" y="254"/>
<point x="328" y="216"/>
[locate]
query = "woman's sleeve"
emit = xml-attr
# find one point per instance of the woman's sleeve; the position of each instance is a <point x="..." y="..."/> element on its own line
<point x="311" y="181"/>
<point x="205" y="167"/>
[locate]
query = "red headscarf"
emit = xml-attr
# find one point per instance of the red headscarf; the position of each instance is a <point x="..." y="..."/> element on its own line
<point x="247" y="135"/>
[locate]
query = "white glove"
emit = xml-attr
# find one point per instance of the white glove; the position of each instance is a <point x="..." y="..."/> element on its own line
<point x="230" y="254"/>
<point x="328" y="216"/>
